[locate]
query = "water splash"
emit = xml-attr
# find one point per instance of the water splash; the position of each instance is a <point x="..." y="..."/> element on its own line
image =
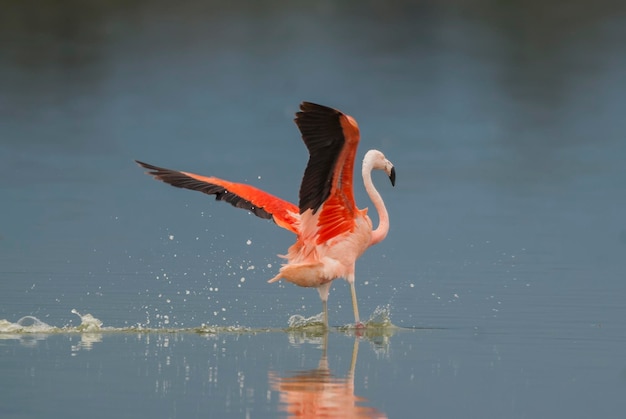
<point x="27" y="324"/>
<point x="297" y="321"/>
<point x="378" y="324"/>
<point x="88" y="323"/>
<point x="381" y="317"/>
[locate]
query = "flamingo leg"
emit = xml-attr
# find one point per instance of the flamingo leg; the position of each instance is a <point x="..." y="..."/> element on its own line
<point x="355" y="305"/>
<point x="324" y="290"/>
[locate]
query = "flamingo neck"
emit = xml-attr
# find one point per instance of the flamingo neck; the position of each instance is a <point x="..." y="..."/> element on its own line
<point x="380" y="232"/>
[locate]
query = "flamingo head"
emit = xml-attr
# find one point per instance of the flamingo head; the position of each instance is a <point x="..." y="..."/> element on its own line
<point x="375" y="160"/>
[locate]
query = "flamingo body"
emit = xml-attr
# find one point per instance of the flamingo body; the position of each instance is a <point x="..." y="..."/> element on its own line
<point x="332" y="233"/>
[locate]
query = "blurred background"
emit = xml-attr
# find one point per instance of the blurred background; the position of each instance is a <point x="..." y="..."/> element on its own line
<point x="504" y="120"/>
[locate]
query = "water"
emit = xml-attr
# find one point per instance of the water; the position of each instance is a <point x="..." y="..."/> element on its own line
<point x="503" y="273"/>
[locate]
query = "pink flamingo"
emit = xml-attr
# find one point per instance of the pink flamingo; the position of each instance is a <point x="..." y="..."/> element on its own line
<point x="331" y="231"/>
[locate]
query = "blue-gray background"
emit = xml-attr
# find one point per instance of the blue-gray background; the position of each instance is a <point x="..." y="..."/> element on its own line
<point x="505" y="121"/>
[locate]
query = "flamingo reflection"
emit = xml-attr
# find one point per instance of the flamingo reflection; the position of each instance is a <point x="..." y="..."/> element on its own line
<point x="318" y="393"/>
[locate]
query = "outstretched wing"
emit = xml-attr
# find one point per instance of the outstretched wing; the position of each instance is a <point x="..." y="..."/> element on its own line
<point x="332" y="139"/>
<point x="258" y="202"/>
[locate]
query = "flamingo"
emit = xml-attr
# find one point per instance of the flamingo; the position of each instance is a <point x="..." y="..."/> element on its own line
<point x="332" y="233"/>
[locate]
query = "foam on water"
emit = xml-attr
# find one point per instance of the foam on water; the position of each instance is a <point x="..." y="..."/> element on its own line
<point x="380" y="319"/>
<point x="208" y="329"/>
<point x="88" y="323"/>
<point x="31" y="324"/>
<point x="27" y="324"/>
<point x="300" y="322"/>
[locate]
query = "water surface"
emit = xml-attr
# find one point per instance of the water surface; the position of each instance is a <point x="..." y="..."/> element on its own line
<point x="504" y="266"/>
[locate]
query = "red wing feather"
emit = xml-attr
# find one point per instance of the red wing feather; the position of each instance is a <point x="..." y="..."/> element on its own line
<point x="332" y="139"/>
<point x="260" y="203"/>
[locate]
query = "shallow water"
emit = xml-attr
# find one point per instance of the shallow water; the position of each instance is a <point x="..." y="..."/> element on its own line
<point x="379" y="372"/>
<point x="503" y="271"/>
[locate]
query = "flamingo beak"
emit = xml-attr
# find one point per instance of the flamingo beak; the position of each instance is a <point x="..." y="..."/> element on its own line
<point x="392" y="176"/>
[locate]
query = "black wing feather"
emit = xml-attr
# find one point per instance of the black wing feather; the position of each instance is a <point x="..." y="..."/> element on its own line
<point x="322" y="134"/>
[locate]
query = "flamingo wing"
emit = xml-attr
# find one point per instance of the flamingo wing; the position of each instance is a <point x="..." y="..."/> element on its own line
<point x="258" y="202"/>
<point x="332" y="139"/>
